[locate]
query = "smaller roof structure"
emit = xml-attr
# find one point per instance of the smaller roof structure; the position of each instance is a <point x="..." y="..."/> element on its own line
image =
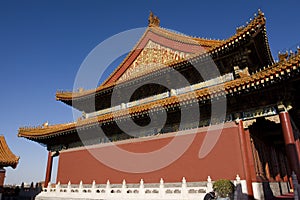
<point x="7" y="158"/>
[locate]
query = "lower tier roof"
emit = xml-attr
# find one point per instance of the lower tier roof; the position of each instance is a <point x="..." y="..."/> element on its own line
<point x="286" y="68"/>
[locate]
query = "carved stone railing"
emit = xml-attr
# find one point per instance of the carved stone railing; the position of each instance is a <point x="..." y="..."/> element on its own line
<point x="125" y="191"/>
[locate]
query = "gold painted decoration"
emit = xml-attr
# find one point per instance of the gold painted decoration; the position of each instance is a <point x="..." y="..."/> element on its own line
<point x="153" y="57"/>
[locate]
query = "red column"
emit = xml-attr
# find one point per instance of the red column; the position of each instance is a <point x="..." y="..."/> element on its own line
<point x="250" y="155"/>
<point x="244" y="151"/>
<point x="289" y="140"/>
<point x="49" y="169"/>
<point x="297" y="142"/>
<point x="2" y="176"/>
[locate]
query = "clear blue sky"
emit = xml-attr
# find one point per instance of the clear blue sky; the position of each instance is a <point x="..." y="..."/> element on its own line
<point x="43" y="43"/>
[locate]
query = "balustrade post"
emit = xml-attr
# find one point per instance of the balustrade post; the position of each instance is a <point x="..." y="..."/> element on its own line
<point x="107" y="188"/>
<point x="209" y="185"/>
<point x="142" y="187"/>
<point x="57" y="187"/>
<point x="80" y="189"/>
<point x="124" y="187"/>
<point x="69" y="187"/>
<point x="184" y="190"/>
<point x="238" y="193"/>
<point x="93" y="187"/>
<point x="161" y="187"/>
<point x="49" y="186"/>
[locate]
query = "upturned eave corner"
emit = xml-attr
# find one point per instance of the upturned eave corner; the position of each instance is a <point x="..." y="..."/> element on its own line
<point x="7" y="157"/>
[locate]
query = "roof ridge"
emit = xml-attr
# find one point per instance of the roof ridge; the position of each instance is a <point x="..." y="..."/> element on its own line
<point x="190" y="36"/>
<point x="193" y="39"/>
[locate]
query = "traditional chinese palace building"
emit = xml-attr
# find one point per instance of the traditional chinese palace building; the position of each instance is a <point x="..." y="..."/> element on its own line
<point x="258" y="137"/>
<point x="7" y="159"/>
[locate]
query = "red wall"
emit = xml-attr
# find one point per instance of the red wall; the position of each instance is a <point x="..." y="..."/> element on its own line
<point x="224" y="161"/>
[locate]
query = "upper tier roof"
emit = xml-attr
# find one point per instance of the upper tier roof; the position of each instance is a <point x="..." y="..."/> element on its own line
<point x="190" y="47"/>
<point x="7" y="158"/>
<point x="161" y="37"/>
<point x="285" y="69"/>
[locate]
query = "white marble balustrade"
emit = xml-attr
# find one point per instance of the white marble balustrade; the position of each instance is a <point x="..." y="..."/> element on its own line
<point x="159" y="191"/>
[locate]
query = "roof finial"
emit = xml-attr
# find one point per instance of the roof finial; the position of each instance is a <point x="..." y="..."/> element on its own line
<point x="239" y="29"/>
<point x="153" y="20"/>
<point x="46" y="124"/>
<point x="283" y="56"/>
<point x="260" y="12"/>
